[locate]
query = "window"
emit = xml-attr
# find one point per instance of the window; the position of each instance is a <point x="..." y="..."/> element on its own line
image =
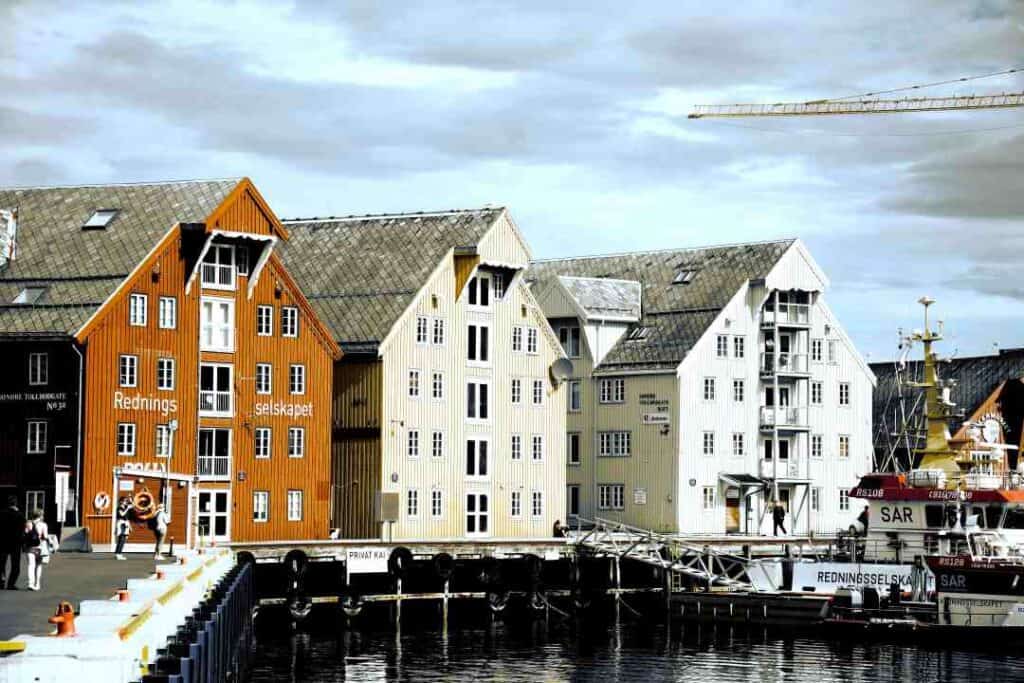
<point x="844" y="500"/>
<point x="537" y="448"/>
<point x="816" y="393"/>
<point x="537" y="504"/>
<point x="573" y="393"/>
<point x="437" y="386"/>
<point x="412" y="443"/>
<point x="167" y="313"/>
<point x="137" y="305"/>
<point x="296" y="442"/>
<point x="739" y="347"/>
<point x="816" y="345"/>
<point x="436" y="503"/>
<point x="242" y="258"/>
<point x="35" y="500"/>
<point x="264" y="321"/>
<point x="476" y="458"/>
<point x="538" y="392"/>
<point x="769" y="449"/>
<point x="414" y="384"/>
<point x="517" y="339"/>
<point x="165" y="374"/>
<point x="260" y="506"/>
<point x="437" y="444"/>
<point x="480" y="291"/>
<point x="163" y="441"/>
<point x="217" y="324"/>
<point x="708" y="497"/>
<point x="422" y="328"/>
<point x="844" y="445"/>
<point x="412" y="503"/>
<point x="614" y="444"/>
<point x="613" y="390"/>
<point x="477" y="514"/>
<point x="708" y="443"/>
<point x="218" y="271"/>
<point x="572" y="499"/>
<point x="294" y="506"/>
<point x="816" y="498"/>
<point x="844" y="393"/>
<point x="816" y="445"/>
<point x="722" y="346"/>
<point x="570" y="339"/>
<point x="517" y="446"/>
<point x="126" y="438"/>
<point x="29" y="295"/>
<point x="683" y="277"/>
<point x="611" y="496"/>
<point x="831" y="350"/>
<point x="214" y="453"/>
<point x="572" y="448"/>
<point x="36" y="437"/>
<point x="289" y="321"/>
<point x="531" y="340"/>
<point x="264" y="378"/>
<point x="738" y="390"/>
<point x="476" y="400"/>
<point x="129" y="371"/>
<point x="99" y="220"/>
<point x="439" y="332"/>
<point x="262" y="448"/>
<point x="709" y="388"/>
<point x="38" y="369"/>
<point x="499" y="286"/>
<point x="517" y="391"/>
<point x="517" y="504"/>
<point x="738" y="447"/>
<point x="477" y="351"/>
<point x="297" y="379"/>
<point x="215" y="389"/>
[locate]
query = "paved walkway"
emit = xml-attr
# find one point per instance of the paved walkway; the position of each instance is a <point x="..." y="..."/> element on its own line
<point x="69" y="576"/>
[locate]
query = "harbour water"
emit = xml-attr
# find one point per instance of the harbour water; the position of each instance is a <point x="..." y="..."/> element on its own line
<point x="630" y="649"/>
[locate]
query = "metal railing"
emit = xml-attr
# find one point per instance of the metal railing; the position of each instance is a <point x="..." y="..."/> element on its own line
<point x="215" y="402"/>
<point x="786" y="314"/>
<point x="784" y="416"/>
<point x="783" y="363"/>
<point x="218" y="275"/>
<point x="213" y="466"/>
<point x="787" y="467"/>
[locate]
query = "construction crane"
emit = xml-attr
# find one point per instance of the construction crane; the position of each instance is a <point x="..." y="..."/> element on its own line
<point x="869" y="103"/>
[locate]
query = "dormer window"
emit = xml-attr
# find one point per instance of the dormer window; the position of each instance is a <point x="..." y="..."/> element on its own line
<point x="218" y="271"/>
<point x="29" y="295"/>
<point x="100" y="219"/>
<point x="683" y="277"/>
<point x="638" y="334"/>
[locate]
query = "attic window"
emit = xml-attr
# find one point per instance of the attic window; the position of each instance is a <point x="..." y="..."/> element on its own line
<point x="638" y="334"/>
<point x="683" y="277"/>
<point x="29" y="295"/>
<point x="100" y="219"/>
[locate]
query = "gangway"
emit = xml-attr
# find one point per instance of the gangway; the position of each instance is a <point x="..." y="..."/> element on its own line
<point x="607" y="538"/>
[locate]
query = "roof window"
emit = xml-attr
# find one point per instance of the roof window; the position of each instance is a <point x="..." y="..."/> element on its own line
<point x="638" y="333"/>
<point x="29" y="295"/>
<point x="100" y="219"/>
<point x="683" y="277"/>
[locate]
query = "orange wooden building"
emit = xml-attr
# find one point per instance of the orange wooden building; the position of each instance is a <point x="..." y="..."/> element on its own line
<point x="207" y="375"/>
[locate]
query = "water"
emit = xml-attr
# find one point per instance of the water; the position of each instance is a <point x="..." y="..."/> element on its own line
<point x="477" y="648"/>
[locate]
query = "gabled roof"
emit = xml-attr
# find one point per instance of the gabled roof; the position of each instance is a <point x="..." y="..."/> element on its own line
<point x="604" y="298"/>
<point x="80" y="269"/>
<point x="360" y="273"/>
<point x="683" y="292"/>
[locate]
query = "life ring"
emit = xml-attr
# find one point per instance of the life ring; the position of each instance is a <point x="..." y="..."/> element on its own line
<point x="400" y="562"/>
<point x="144" y="504"/>
<point x="444" y="566"/>
<point x="102" y="501"/>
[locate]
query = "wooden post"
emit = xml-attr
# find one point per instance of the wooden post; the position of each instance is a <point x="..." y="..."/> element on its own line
<point x="398" y="604"/>
<point x="444" y="609"/>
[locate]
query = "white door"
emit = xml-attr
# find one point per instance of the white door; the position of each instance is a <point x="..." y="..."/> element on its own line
<point x="478" y="514"/>
<point x="214" y="515"/>
<point x="62" y="493"/>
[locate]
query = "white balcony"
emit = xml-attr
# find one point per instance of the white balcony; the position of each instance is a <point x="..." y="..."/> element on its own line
<point x="786" y="315"/>
<point x="218" y="275"/>
<point x="784" y="418"/>
<point x="794" y="364"/>
<point x="215" y="404"/>
<point x="213" y="467"/>
<point x="788" y="468"/>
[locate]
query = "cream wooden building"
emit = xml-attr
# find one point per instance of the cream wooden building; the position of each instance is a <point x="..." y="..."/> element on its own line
<point x="708" y="383"/>
<point x="447" y="422"/>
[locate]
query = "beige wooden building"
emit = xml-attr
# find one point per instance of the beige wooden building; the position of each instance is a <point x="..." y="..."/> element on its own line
<point x="707" y="384"/>
<point x="447" y="422"/>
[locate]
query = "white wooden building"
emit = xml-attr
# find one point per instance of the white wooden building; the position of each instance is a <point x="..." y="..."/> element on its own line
<point x="708" y="383"/>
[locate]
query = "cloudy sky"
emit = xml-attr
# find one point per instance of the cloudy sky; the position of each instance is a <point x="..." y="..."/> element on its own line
<point x="574" y="117"/>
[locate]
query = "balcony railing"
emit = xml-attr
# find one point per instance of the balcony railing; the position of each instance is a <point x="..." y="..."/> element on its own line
<point x="213" y="467"/>
<point x="784" y="417"/>
<point x="218" y="275"/>
<point x="784" y="363"/>
<point x="215" y="402"/>
<point x="786" y="314"/>
<point x="788" y="468"/>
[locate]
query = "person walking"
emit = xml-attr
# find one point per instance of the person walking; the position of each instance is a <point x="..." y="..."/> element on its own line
<point x="37" y="547"/>
<point x="863" y="518"/>
<point x="12" y="535"/>
<point x="122" y="526"/>
<point x="159" y="522"/>
<point x="779" y="518"/>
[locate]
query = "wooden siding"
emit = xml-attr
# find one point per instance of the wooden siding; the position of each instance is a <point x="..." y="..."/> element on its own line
<point x="464" y="267"/>
<point x="244" y="210"/>
<point x="356" y="477"/>
<point x="357" y="395"/>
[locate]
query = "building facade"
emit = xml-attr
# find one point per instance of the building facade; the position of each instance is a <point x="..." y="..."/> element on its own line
<point x="206" y="376"/>
<point x="447" y="420"/>
<point x="709" y="383"/>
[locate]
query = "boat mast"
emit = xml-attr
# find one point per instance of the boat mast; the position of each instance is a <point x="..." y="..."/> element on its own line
<point x="937" y="453"/>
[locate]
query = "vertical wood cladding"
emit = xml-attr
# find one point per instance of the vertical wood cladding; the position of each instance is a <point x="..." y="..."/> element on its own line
<point x="356" y="455"/>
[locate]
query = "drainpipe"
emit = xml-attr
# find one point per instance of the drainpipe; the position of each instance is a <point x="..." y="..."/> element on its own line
<point x="78" y="440"/>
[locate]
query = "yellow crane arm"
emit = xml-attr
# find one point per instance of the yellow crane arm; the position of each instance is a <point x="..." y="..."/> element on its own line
<point x="875" y="106"/>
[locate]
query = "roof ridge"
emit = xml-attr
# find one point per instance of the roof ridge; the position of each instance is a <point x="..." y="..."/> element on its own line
<point x="602" y="279"/>
<point x="1002" y="353"/>
<point x="666" y="250"/>
<point x="181" y="181"/>
<point x="407" y="214"/>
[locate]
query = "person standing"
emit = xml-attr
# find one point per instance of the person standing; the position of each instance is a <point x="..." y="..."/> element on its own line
<point x="779" y="518"/>
<point x="12" y="536"/>
<point x="160" y="520"/>
<point x="37" y="547"/>
<point x="122" y="526"/>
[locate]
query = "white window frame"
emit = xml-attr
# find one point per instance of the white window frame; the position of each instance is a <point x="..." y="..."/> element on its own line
<point x="478" y="292"/>
<point x="611" y="496"/>
<point x="708" y="497"/>
<point x="817" y="445"/>
<point x="128" y="370"/>
<point x="517" y="391"/>
<point x="412" y="503"/>
<point x="817" y="393"/>
<point x="707" y="443"/>
<point x="722" y="346"/>
<point x="574" y="395"/>
<point x="844" y="394"/>
<point x="573" y="458"/>
<point x="212" y="457"/>
<point x="815" y="499"/>
<point x="531" y="341"/>
<point x="739" y="445"/>
<point x="817" y="350"/>
<point x="436" y="503"/>
<point x="137" y="309"/>
<point x="844" y="500"/>
<point x="210" y="332"/>
<point x="264" y="379"/>
<point x="437" y="385"/>
<point x="422" y="330"/>
<point x="439" y="332"/>
<point x="290" y="321"/>
<point x="517" y="447"/>
<point x="516" y="507"/>
<point x="164" y="441"/>
<point x="476" y="417"/>
<point x="36" y="434"/>
<point x="537" y="392"/>
<point x="264" y="321"/>
<point x="536" y="448"/>
<point x="263" y="439"/>
<point x="612" y="390"/>
<point x="478" y="515"/>
<point x="297" y="379"/>
<point x="295" y="505"/>
<point x="739" y="390"/>
<point x="536" y="504"/>
<point x="38" y="369"/>
<point x="476" y="459"/>
<point x="35" y="500"/>
<point x="710" y="389"/>
<point x="167" y="313"/>
<point x="260" y="507"/>
<point x="517" y="339"/>
<point x="615" y="444"/>
<point x="296" y="442"/>
<point x="413" y="385"/>
<point x="571" y="343"/>
<point x="739" y="346"/>
<point x="832" y="351"/>
<point x="215" y="266"/>
<point x="412" y="443"/>
<point x="164" y="370"/>
<point x="217" y="394"/>
<point x="437" y="445"/>
<point x="843" y="447"/>
<point x="126" y="441"/>
<point x="478" y="344"/>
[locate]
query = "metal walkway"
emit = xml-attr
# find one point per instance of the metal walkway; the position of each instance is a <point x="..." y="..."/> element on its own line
<point x="701" y="562"/>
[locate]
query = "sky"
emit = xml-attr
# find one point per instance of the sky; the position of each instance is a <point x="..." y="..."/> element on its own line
<point x="573" y="115"/>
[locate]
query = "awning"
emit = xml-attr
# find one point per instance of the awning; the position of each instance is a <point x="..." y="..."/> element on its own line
<point x="741" y="480"/>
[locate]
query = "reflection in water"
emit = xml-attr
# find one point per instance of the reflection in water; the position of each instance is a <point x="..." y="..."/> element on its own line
<point x="478" y="647"/>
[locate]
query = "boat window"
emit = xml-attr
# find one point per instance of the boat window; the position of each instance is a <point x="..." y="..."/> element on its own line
<point x="979" y="512"/>
<point x="934" y="516"/>
<point x="992" y="515"/>
<point x="1014" y="518"/>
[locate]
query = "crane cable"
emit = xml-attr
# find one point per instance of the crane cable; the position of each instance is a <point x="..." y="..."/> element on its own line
<point x="1005" y="72"/>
